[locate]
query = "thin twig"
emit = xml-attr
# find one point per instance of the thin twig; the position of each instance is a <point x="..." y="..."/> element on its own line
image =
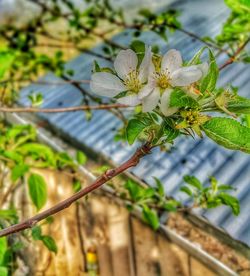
<point x="234" y="57"/>
<point x="62" y="82"/>
<point x="109" y="174"/>
<point x="62" y="109"/>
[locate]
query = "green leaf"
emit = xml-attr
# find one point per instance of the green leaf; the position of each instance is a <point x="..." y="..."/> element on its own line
<point x="18" y="130"/>
<point x="160" y="187"/>
<point x="96" y="67"/>
<point x="139" y="48"/>
<point x="8" y="214"/>
<point x="6" y="59"/>
<point x="148" y="193"/>
<point x="3" y="271"/>
<point x="247" y="120"/>
<point x="225" y="187"/>
<point x="13" y="155"/>
<point x="209" y="81"/>
<point x="230" y="201"/>
<point x="36" y="99"/>
<point x="19" y="171"/>
<point x="49" y="242"/>
<point x="38" y="151"/>
<point x="240" y="6"/>
<point x="228" y="133"/>
<point x="36" y="233"/>
<point x="3" y="249"/>
<point x="151" y="217"/>
<point x="81" y="158"/>
<point x="179" y="98"/>
<point x="136" y="192"/>
<point x="63" y="160"/>
<point x="239" y="105"/>
<point x="77" y="186"/>
<point x="196" y="58"/>
<point x="37" y="190"/>
<point x="134" y="128"/>
<point x="169" y="130"/>
<point x="186" y="190"/>
<point x="171" y="205"/>
<point x="193" y="181"/>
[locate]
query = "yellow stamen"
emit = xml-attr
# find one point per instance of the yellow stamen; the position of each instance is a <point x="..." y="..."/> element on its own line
<point x="132" y="81"/>
<point x="162" y="79"/>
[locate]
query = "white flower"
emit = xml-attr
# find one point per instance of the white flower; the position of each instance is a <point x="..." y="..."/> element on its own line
<point x="163" y="79"/>
<point x="130" y="78"/>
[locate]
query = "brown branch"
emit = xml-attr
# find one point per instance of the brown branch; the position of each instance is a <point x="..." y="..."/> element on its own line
<point x="234" y="57"/>
<point x="109" y="174"/>
<point x="63" y="109"/>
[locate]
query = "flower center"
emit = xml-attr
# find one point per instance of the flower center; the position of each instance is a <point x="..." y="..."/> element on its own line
<point x="132" y="81"/>
<point x="162" y="79"/>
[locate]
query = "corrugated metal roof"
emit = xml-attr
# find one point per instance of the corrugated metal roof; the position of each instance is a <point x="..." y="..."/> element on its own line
<point x="199" y="157"/>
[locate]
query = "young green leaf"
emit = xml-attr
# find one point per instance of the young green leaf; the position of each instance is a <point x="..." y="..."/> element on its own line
<point x="209" y="81"/>
<point x="19" y="171"/>
<point x="36" y="233"/>
<point x="160" y="187"/>
<point x="49" y="242"/>
<point x="4" y="271"/>
<point x="3" y="249"/>
<point x="81" y="158"/>
<point x="38" y="151"/>
<point x="9" y="214"/>
<point x="134" y="128"/>
<point x="179" y="98"/>
<point x="139" y="48"/>
<point x="171" y="205"/>
<point x="77" y="186"/>
<point x="230" y="201"/>
<point x="186" y="190"/>
<point x="136" y="192"/>
<point x="37" y="190"/>
<point x="228" y="133"/>
<point x="193" y="181"/>
<point x="196" y="58"/>
<point x="151" y="217"/>
<point x="239" y="105"/>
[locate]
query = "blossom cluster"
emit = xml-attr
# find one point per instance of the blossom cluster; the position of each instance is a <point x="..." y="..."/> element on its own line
<point x="149" y="83"/>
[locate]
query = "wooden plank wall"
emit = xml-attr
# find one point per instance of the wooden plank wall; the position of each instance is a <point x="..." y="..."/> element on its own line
<point x="99" y="237"/>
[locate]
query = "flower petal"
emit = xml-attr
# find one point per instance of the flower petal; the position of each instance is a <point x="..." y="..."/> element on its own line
<point x="131" y="100"/>
<point x="150" y="102"/>
<point x="145" y="65"/>
<point x="125" y="62"/>
<point x="146" y="90"/>
<point x="106" y="84"/>
<point x="185" y="76"/>
<point x="165" y="102"/>
<point x="171" y="61"/>
<point x="204" y="68"/>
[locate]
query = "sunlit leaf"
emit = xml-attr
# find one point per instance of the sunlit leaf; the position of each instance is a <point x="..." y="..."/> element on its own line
<point x="37" y="190"/>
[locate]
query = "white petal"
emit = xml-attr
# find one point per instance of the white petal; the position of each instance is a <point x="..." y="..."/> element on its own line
<point x="131" y="100"/>
<point x="165" y="102"/>
<point x="204" y="68"/>
<point x="185" y="76"/>
<point x="171" y="61"/>
<point x="146" y="90"/>
<point x="145" y="65"/>
<point x="106" y="84"/>
<point x="125" y="62"/>
<point x="150" y="102"/>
